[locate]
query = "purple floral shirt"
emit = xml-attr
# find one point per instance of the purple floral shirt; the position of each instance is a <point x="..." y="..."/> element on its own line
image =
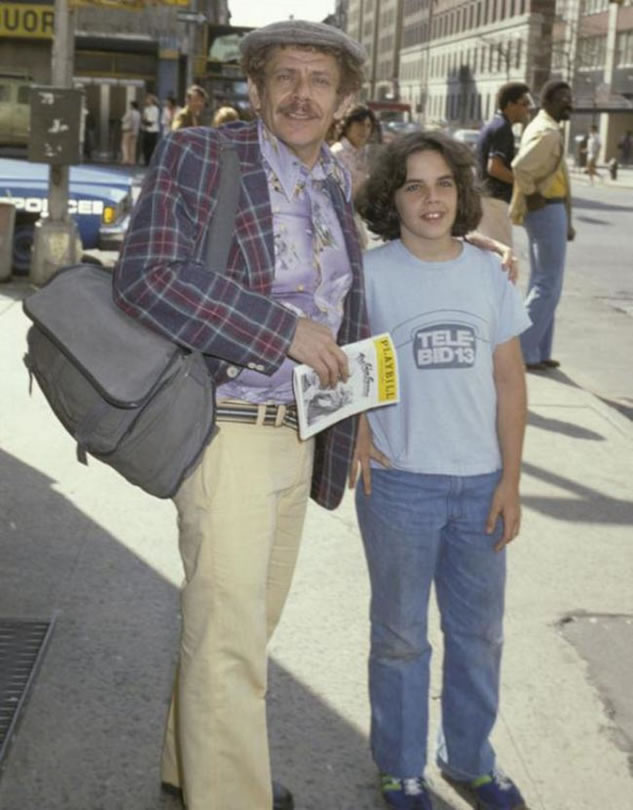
<point x="312" y="271"/>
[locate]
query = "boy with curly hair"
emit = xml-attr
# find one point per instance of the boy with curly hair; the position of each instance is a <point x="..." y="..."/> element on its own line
<point x="438" y="499"/>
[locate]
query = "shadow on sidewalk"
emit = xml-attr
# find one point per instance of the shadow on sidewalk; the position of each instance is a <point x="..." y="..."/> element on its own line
<point x="90" y="734"/>
<point x="566" y="428"/>
<point x="584" y="504"/>
<point x="595" y="205"/>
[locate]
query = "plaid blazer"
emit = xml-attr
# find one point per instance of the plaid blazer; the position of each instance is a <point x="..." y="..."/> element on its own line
<point x="162" y="277"/>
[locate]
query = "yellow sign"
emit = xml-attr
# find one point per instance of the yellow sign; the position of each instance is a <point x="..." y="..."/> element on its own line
<point x="134" y="5"/>
<point x="26" y="20"/>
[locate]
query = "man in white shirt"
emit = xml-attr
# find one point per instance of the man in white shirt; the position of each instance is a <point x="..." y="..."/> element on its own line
<point x="150" y="126"/>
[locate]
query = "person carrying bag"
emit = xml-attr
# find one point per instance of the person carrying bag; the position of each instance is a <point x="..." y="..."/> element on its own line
<point x="128" y="395"/>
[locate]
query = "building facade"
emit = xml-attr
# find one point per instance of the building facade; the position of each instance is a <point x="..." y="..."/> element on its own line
<point x="593" y="51"/>
<point x="448" y="58"/>
<point x="119" y="55"/>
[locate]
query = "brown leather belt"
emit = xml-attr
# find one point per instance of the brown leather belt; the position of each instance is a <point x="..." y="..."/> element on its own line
<point x="253" y="414"/>
<point x="552" y="200"/>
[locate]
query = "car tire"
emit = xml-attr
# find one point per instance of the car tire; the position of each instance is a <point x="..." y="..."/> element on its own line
<point x="22" y="246"/>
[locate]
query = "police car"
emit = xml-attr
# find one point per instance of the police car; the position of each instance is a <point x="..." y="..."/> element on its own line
<point x="100" y="201"/>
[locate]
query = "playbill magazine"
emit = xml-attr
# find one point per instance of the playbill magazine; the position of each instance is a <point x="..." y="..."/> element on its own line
<point x="373" y="381"/>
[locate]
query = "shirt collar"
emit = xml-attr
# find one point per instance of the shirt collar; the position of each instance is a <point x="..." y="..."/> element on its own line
<point x="290" y="171"/>
<point x="549" y="119"/>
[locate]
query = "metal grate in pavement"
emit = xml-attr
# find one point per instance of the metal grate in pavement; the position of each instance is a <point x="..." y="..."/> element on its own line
<point x="22" y="646"/>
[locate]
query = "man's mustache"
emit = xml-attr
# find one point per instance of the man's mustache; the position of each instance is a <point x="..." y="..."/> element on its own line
<point x="298" y="107"/>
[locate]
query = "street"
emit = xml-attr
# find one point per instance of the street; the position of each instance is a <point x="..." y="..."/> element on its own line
<point x="594" y="321"/>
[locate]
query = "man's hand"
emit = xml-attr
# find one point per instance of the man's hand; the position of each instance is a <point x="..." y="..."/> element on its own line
<point x="505" y="504"/>
<point x="535" y="201"/>
<point x="363" y="453"/>
<point x="571" y="233"/>
<point x="315" y="345"/>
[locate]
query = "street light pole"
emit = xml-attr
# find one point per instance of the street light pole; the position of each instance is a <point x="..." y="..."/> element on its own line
<point x="56" y="239"/>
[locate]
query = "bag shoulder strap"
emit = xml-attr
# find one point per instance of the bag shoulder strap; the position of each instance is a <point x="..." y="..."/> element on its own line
<point x="221" y="230"/>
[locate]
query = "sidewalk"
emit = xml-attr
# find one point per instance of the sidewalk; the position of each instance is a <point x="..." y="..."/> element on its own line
<point x="81" y="545"/>
<point x="623" y="180"/>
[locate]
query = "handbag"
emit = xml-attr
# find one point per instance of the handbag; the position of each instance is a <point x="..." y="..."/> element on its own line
<point x="129" y="396"/>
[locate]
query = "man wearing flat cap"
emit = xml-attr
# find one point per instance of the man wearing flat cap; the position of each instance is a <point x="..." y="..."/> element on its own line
<point x="291" y="292"/>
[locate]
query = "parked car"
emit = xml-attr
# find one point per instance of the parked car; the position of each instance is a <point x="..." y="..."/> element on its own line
<point x="100" y="200"/>
<point x="393" y="129"/>
<point x="467" y="136"/>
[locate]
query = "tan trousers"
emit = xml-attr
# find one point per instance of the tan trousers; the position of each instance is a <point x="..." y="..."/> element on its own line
<point x="240" y="517"/>
<point x="128" y="148"/>
<point x="495" y="221"/>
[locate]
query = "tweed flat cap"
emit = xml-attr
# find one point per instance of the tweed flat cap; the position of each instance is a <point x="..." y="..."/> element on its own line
<point x="301" y="32"/>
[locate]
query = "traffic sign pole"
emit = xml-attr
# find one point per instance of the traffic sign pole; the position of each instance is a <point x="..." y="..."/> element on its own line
<point x="56" y="239"/>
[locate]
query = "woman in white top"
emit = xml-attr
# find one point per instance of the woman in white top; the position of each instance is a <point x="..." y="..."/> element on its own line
<point x="351" y="147"/>
<point x="352" y="151"/>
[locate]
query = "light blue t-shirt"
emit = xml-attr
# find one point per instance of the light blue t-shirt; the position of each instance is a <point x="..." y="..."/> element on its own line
<point x="446" y="319"/>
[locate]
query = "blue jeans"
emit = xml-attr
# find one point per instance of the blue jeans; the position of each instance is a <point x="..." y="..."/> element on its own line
<point x="547" y="235"/>
<point x="418" y="529"/>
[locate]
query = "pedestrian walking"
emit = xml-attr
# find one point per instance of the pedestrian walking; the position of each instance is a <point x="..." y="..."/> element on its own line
<point x="438" y="496"/>
<point x="191" y="114"/>
<point x="150" y="127"/>
<point x="594" y="145"/>
<point x="495" y="153"/>
<point x="541" y="201"/>
<point x="167" y="114"/>
<point x="351" y="149"/>
<point x="350" y="146"/>
<point x="625" y="145"/>
<point x="130" y="128"/>
<point x="291" y="292"/>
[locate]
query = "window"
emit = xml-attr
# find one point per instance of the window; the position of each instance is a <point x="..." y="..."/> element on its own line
<point x="592" y="51"/>
<point x="593" y="6"/>
<point x="624" y="48"/>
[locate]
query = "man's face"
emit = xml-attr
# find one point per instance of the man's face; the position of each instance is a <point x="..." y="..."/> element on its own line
<point x="518" y="112"/>
<point x="561" y="105"/>
<point x="196" y="103"/>
<point x="299" y="98"/>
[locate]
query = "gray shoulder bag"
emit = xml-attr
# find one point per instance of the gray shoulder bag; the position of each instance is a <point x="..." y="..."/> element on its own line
<point x="129" y="396"/>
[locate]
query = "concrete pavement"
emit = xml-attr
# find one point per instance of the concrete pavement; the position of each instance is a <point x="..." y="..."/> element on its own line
<point x="82" y="545"/>
<point x="624" y="178"/>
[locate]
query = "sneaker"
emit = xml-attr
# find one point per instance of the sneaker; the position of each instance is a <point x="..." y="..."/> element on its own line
<point x="405" y="794"/>
<point x="494" y="791"/>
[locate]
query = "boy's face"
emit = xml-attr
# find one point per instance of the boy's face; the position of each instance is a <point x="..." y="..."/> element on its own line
<point x="427" y="202"/>
<point x="298" y="99"/>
